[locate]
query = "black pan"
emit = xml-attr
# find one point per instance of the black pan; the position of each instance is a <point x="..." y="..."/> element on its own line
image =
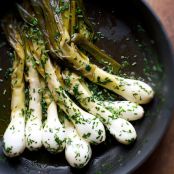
<point x="131" y="33"/>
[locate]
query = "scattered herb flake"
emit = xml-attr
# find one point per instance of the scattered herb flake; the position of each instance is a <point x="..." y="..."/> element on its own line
<point x="88" y="68"/>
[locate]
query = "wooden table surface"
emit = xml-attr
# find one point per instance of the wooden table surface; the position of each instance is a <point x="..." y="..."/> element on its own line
<point x="162" y="160"/>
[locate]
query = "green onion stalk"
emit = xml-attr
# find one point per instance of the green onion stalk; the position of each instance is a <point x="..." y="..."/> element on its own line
<point x="14" y="136"/>
<point x="132" y="90"/>
<point x="33" y="131"/>
<point x="112" y="118"/>
<point x="53" y="135"/>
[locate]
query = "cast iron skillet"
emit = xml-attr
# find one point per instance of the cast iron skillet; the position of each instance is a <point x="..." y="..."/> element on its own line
<point x="131" y="33"/>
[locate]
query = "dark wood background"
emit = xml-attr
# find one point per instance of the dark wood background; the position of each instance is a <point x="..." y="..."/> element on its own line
<point x="162" y="160"/>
